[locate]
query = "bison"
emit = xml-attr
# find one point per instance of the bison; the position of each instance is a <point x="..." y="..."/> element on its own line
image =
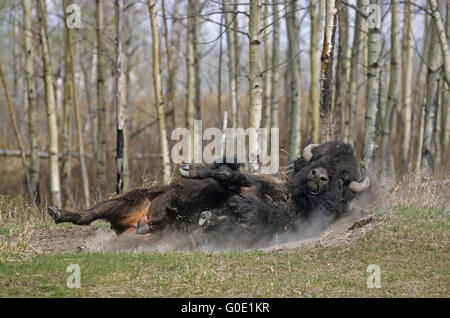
<point x="220" y="200"/>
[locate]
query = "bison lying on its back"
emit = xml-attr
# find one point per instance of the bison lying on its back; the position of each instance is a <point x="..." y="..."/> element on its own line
<point x="220" y="198"/>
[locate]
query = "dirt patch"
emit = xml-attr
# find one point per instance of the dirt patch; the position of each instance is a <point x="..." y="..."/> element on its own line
<point x="61" y="239"/>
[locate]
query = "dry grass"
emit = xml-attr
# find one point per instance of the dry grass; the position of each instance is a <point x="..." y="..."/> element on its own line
<point x="420" y="190"/>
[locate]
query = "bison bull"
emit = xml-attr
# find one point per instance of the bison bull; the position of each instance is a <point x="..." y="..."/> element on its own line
<point x="220" y="199"/>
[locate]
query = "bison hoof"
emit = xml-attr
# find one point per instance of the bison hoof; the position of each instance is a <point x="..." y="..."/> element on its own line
<point x="144" y="229"/>
<point x="184" y="171"/>
<point x="54" y="213"/>
<point x="205" y="217"/>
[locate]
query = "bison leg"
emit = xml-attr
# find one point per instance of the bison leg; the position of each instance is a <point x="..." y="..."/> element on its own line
<point x="124" y="216"/>
<point x="221" y="172"/>
<point x="83" y="217"/>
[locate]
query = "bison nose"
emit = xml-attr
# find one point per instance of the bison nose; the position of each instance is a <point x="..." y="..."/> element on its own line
<point x="320" y="174"/>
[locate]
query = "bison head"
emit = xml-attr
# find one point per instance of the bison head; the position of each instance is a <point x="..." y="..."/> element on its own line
<point x="327" y="177"/>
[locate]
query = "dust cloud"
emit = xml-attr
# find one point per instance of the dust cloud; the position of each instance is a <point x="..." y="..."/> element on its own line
<point x="305" y="231"/>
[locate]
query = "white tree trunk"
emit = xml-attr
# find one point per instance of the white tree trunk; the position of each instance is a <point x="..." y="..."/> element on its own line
<point x="351" y="129"/>
<point x="255" y="80"/>
<point x="190" y="90"/>
<point x="83" y="168"/>
<point x="66" y="144"/>
<point x="267" y="71"/>
<point x="419" y="99"/>
<point x="407" y="96"/>
<point x="342" y="69"/>
<point x="294" y="138"/>
<point x="326" y="73"/>
<point x="388" y="168"/>
<point x="101" y="106"/>
<point x="120" y="96"/>
<point x="170" y="80"/>
<point x="159" y="99"/>
<point x="275" y="95"/>
<point x="31" y="95"/>
<point x="431" y="105"/>
<point x="372" y="89"/>
<point x="231" y="61"/>
<point x="314" y="90"/>
<point x="446" y="98"/>
<point x="439" y="28"/>
<point x="55" y="186"/>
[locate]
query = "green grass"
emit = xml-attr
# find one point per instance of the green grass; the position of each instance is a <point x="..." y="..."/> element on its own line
<point x="411" y="246"/>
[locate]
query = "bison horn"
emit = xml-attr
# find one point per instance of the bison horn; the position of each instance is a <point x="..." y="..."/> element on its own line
<point x="359" y="186"/>
<point x="307" y="154"/>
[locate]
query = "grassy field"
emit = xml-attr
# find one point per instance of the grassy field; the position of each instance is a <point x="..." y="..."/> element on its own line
<point x="410" y="244"/>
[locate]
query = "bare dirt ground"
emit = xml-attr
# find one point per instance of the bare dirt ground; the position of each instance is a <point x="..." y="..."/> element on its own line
<point x="62" y="239"/>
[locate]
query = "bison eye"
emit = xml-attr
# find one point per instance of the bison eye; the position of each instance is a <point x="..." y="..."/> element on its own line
<point x="344" y="179"/>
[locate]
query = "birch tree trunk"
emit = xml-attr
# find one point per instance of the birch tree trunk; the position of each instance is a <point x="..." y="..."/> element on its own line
<point x="418" y="114"/>
<point x="66" y="147"/>
<point x="341" y="69"/>
<point x="438" y="151"/>
<point x="197" y="55"/>
<point x="442" y="38"/>
<point x="351" y="129"/>
<point x="89" y="71"/>
<point x="120" y="96"/>
<point x="326" y="73"/>
<point x="101" y="105"/>
<point x="407" y="96"/>
<point x="171" y="83"/>
<point x="16" y="58"/>
<point x="83" y="168"/>
<point x="126" y="69"/>
<point x="267" y="72"/>
<point x="388" y="168"/>
<point x="432" y="97"/>
<point x="446" y="99"/>
<point x="190" y="89"/>
<point x="31" y="95"/>
<point x="55" y="186"/>
<point x="159" y="99"/>
<point x="127" y="184"/>
<point x="420" y="139"/>
<point x="275" y="94"/>
<point x="294" y="69"/>
<point x="372" y="89"/>
<point x="227" y="6"/>
<point x="255" y="80"/>
<point x="219" y="75"/>
<point x="316" y="23"/>
<point x="237" y="64"/>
